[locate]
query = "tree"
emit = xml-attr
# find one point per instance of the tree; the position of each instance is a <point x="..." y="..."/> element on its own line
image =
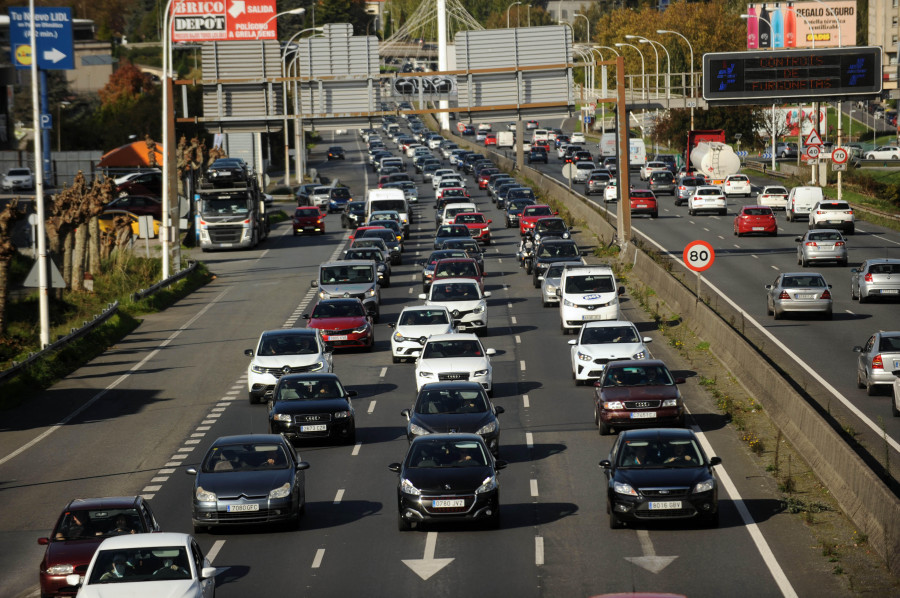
<point x="671" y="130"/>
<point x="125" y="85"/>
<point x="8" y="216"/>
<point x="343" y="11"/>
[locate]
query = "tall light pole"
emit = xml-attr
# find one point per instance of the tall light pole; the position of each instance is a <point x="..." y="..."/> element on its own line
<point x="588" y="31"/>
<point x="507" y="12"/>
<point x="284" y="90"/>
<point x="642" y="40"/>
<point x="668" y="64"/>
<point x="529" y="15"/>
<point x="59" y="108"/>
<point x="643" y="72"/>
<point x="299" y="141"/>
<point x="693" y="87"/>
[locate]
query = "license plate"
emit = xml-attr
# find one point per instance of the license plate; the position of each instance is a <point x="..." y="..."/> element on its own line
<point x="443" y="504"/>
<point x="242" y="508"/>
<point x="337" y="337"/>
<point x="759" y="228"/>
<point x="642" y="205"/>
<point x="226" y="244"/>
<point x="834" y="222"/>
<point x="804" y="296"/>
<point x="591" y="317"/>
<point x="890" y="292"/>
<point x="643" y="415"/>
<point x="662" y="506"/>
<point x="314" y="428"/>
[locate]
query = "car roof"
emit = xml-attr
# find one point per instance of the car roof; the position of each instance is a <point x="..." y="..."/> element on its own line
<point x="626" y="363"/>
<point x="446" y="281"/>
<point x="248" y="438"/>
<point x="129" y="541"/>
<point x="455" y="435"/>
<point x="424" y="307"/>
<point x="346" y="263"/>
<point x="454" y="336"/>
<point x="340" y="299"/>
<point x="607" y="323"/>
<point x="290" y="332"/>
<point x="654" y="433"/>
<point x="310" y="376"/>
<point x="106" y="502"/>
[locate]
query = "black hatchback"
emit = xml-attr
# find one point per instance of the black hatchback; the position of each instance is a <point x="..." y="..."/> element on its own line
<point x="312" y="407"/>
<point x="660" y="473"/>
<point x="444" y="407"/>
<point x="662" y="182"/>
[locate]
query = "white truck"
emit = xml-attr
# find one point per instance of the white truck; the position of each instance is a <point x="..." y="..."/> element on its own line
<point x="637" y="151"/>
<point x="389" y="199"/>
<point x="715" y="160"/>
<point x="232" y="217"/>
<point x="506" y="139"/>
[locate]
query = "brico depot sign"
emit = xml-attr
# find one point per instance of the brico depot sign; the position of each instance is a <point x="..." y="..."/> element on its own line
<point x="222" y="20"/>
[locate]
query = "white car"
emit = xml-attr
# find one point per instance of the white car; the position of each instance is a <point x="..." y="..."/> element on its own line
<point x="773" y="196"/>
<point x="463" y="299"/>
<point x="577" y="137"/>
<point x="833" y="214"/>
<point x="649" y="167"/>
<point x="737" y="184"/>
<point x="707" y="198"/>
<point x="485" y="127"/>
<point x="440" y="173"/>
<point x="611" y="193"/>
<point x="285" y="351"/>
<point x="411" y="149"/>
<point x="18" y="178"/>
<point x="550" y="281"/>
<point x="435" y="142"/>
<point x="147" y="565"/>
<point x="598" y="343"/>
<point x="458" y="356"/>
<point x="885" y="152"/>
<point x="415" y="324"/>
<point x="127" y="177"/>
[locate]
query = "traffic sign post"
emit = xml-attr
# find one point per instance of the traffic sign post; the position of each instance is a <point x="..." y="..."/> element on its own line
<point x="813" y="152"/>
<point x="699" y="257"/>
<point x="840" y="156"/>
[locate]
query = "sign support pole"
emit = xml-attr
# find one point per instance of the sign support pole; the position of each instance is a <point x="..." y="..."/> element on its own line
<point x="43" y="297"/>
<point x="623" y="212"/>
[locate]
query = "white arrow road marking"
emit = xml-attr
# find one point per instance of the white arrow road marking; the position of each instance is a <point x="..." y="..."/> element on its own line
<point x="53" y="55"/>
<point x="427" y="566"/>
<point x="650" y="562"/>
<point x="237" y="8"/>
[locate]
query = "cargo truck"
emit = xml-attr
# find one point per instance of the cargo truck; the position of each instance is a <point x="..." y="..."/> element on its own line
<point x="231" y="216"/>
<point x="708" y="154"/>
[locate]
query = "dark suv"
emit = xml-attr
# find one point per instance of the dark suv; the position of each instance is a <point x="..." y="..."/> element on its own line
<point x="662" y="182"/>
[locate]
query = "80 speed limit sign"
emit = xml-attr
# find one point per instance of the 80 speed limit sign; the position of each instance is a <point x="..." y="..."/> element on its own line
<point x="698" y="256"/>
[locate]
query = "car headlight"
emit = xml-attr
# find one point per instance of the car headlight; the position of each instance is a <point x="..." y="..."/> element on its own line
<point x="583" y="356"/>
<point x="343" y="414"/>
<point x="399" y="337"/>
<point x="705" y="486"/>
<point x="487" y="485"/>
<point x="670" y="403"/>
<point x="418" y="430"/>
<point x="613" y="405"/>
<point x="205" y="495"/>
<point x="323" y="295"/>
<point x="487" y="428"/>
<point x="360" y="329"/>
<point x="370" y="293"/>
<point x="478" y="310"/>
<point x="282" y="417"/>
<point x="568" y="303"/>
<point x="479" y="373"/>
<point x="257" y="369"/>
<point x="424" y="374"/>
<point x="406" y="487"/>
<point x="61" y="570"/>
<point x="551" y="288"/>
<point x="621" y="488"/>
<point x="640" y="355"/>
<point x="316" y="366"/>
<point x="282" y="491"/>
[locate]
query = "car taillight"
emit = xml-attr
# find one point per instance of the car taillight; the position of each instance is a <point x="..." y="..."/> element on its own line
<point x="826" y="295"/>
<point x="877" y="363"/>
<point x="868" y="277"/>
<point x="784" y="295"/>
<point x="850" y="212"/>
<point x="839" y="244"/>
<point x="811" y="244"/>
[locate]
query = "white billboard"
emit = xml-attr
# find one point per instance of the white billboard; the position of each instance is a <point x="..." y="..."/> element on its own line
<point x="789" y="25"/>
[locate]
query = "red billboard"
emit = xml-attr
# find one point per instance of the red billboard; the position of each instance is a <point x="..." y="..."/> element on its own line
<point x="222" y="20"/>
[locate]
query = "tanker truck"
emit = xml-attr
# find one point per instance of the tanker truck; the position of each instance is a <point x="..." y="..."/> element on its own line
<point x="709" y="155"/>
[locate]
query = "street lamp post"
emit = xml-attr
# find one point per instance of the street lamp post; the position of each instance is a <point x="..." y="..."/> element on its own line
<point x="643" y="71"/>
<point x="588" y="31"/>
<point x="59" y="108"/>
<point x="507" y="13"/>
<point x="299" y="141"/>
<point x="643" y="40"/>
<point x="668" y="65"/>
<point x="693" y="86"/>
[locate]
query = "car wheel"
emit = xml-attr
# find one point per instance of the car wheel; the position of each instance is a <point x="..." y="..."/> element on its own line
<point x="789" y="215"/>
<point x="604" y="428"/>
<point x="535" y="282"/>
<point x="894" y="411"/>
<point x="859" y="382"/>
<point x="736" y="233"/>
<point x="851" y="230"/>
<point x="723" y="212"/>
<point x="768" y="309"/>
<point x="351" y="438"/>
<point x="200" y="529"/>
<point x="402" y="524"/>
<point x="614" y="521"/>
<point x="251" y="398"/>
<point x="776" y="314"/>
<point x="691" y="212"/>
<point x="387" y="282"/>
<point x="828" y="315"/>
<point x="654" y="215"/>
<point x="711" y="521"/>
<point x="863" y="298"/>
<point x="871" y="389"/>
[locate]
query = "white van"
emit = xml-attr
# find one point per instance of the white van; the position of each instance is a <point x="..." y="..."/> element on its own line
<point x="586" y="294"/>
<point x="637" y="151"/>
<point x="389" y="199"/>
<point x="801" y="201"/>
<point x="540" y="135"/>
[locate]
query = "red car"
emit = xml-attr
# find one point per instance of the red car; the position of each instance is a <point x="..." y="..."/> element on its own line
<point x="308" y="220"/>
<point x="465" y="267"/>
<point x="82" y="526"/>
<point x="147" y="183"/>
<point x="531" y="214"/>
<point x="484" y="175"/>
<point x="454" y="192"/>
<point x="755" y="219"/>
<point x="478" y="225"/>
<point x="634" y="394"/>
<point x="358" y="233"/>
<point x="544" y="143"/>
<point x="643" y="201"/>
<point x="490" y="139"/>
<point x="343" y="322"/>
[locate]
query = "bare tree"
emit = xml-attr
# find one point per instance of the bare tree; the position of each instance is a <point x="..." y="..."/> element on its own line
<point x="7" y="250"/>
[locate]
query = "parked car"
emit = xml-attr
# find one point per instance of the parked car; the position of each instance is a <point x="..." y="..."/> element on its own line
<point x="312" y="407"/>
<point x="877" y="277"/>
<point x="799" y="292"/>
<point x="147" y="183"/>
<point x="786" y="149"/>
<point x="755" y="220"/>
<point x="600" y="343"/>
<point x="19" y="178"/>
<point x="821" y="245"/>
<point x="660" y="474"/>
<point x="141" y="205"/>
<point x="884" y="152"/>
<point x="878" y="359"/>
<point x="637" y="393"/>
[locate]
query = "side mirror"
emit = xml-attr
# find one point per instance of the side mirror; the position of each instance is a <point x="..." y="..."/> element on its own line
<point x="248" y="352"/>
<point x="489" y="221"/>
<point x="558" y="293"/>
<point x="395" y="467"/>
<point x="405" y="413"/>
<point x="857" y="349"/>
<point x="621" y="291"/>
<point x="490" y="352"/>
<point x="487" y="294"/>
<point x="647" y="339"/>
<point x="208" y="572"/>
<point x="314" y="283"/>
<point x="679" y="380"/>
<point x="43" y="541"/>
<point x="768" y="287"/>
<point x="853" y="271"/>
<point x="422" y="296"/>
<point x="540" y="278"/>
<point x="829" y="286"/>
<point x="392" y="325"/>
<point x="305" y="316"/>
<point x="499" y="464"/>
<point x="798" y="239"/>
<point x="715" y="461"/>
<point x="498" y="410"/>
<point x="352" y="393"/>
<point x="573" y="342"/>
<point x="605" y="464"/>
<point x="896" y="373"/>
<point x="302" y="465"/>
<point x="191" y="471"/>
<point x="415" y="354"/>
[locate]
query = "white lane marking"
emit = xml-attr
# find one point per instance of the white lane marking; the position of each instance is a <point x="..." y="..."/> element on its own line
<point x="214" y="551"/>
<point x="371" y="407"/>
<point x="522" y="365"/>
<point x="529" y="440"/>
<point x="180" y="456"/>
<point x="538" y="550"/>
<point x="509" y="305"/>
<point x="198" y="434"/>
<point x="203" y="428"/>
<point x="525" y="402"/>
<point x="173" y="464"/>
<point x="186" y="450"/>
<point x="356" y="448"/>
<point x="880" y="237"/>
<point x="338" y="496"/>
<point x="756" y="257"/>
<point x="214" y="415"/>
<point x="193" y="441"/>
<point x="534" y="488"/>
<point x="706" y="229"/>
<point x="737" y="246"/>
<point x="218" y="409"/>
<point x="513" y="320"/>
<point x="849" y="312"/>
<point x="383" y="373"/>
<point x="207" y="423"/>
<point x="159" y="480"/>
<point x="410" y="290"/>
<point x="114" y="383"/>
<point x="761" y="545"/>
<point x="167" y="471"/>
<point x="145" y="497"/>
<point x="317" y="561"/>
<point x="151" y="488"/>
<point x="774" y="268"/>
<point x="518" y="339"/>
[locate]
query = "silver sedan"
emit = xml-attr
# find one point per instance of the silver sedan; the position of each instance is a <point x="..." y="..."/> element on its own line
<point x="877" y="361"/>
<point x="823" y="245"/>
<point x="878" y="277"/>
<point x="799" y="292"/>
<point x="550" y="282"/>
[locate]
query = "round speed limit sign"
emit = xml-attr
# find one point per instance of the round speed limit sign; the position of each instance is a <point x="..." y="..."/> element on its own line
<point x="698" y="256"/>
<point x="813" y="151"/>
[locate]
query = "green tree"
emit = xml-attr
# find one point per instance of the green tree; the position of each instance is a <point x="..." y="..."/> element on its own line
<point x="672" y="129"/>
<point x="343" y="11"/>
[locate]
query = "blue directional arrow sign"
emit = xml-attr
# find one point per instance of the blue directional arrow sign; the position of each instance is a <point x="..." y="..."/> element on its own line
<point x="53" y="29"/>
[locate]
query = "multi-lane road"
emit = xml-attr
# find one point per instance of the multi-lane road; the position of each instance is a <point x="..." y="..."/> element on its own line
<point x="132" y="420"/>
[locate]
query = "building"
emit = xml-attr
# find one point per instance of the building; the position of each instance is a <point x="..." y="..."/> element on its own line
<point x="884" y="27"/>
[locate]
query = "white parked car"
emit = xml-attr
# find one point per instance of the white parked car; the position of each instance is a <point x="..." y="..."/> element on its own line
<point x="885" y="152"/>
<point x="415" y="324"/>
<point x="451" y="357"/>
<point x="737" y="184"/>
<point x="147" y="565"/>
<point x="18" y="178"/>
<point x="463" y="299"/>
<point x="598" y="343"/>
<point x="707" y="198"/>
<point x="772" y="196"/>
<point x="285" y="351"/>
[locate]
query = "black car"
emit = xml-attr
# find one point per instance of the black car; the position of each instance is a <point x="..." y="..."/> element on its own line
<point x="514" y="209"/>
<point x="448" y="477"/>
<point x="496" y="180"/>
<point x="470" y="246"/>
<point x="662" y="182"/>
<point x="549" y="251"/>
<point x="520" y="193"/>
<point x="353" y="214"/>
<point x="373" y="254"/>
<point x="537" y="154"/>
<point x="336" y="152"/>
<point x="546" y="228"/>
<point x="228" y="170"/>
<point x="390" y="239"/>
<point x="249" y="479"/>
<point x="660" y="474"/>
<point x="450" y="231"/>
<point x="443" y="407"/>
<point x="313" y="407"/>
<point x="433" y="259"/>
<point x="500" y="196"/>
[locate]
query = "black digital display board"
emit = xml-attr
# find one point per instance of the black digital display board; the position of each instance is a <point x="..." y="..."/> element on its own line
<point x="765" y="77"/>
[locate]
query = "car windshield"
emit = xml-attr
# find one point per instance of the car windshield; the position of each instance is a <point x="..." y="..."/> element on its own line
<point x="537" y="211"/>
<point x="449" y="349"/>
<point x="555" y="271"/>
<point x="470" y="218"/>
<point x="339" y="309"/>
<point x="554" y="250"/>
<point x="298" y="389"/>
<point x="609" y="334"/>
<point x="288" y="344"/>
<point x="19" y="172"/>
<point x="757" y="212"/>
<point x="590" y="283"/>
<point x="551" y="225"/>
<point x="453" y="231"/>
<point x="802" y="282"/>
<point x="452" y="212"/>
<point x="307" y="213"/>
<point x="347" y="274"/>
<point x="458" y="291"/>
<point x="397" y="205"/>
<point x="688" y="182"/>
<point x="456" y="270"/>
<point x="224" y="206"/>
<point x="380" y="233"/>
<point x="451" y="402"/>
<point x="340" y="193"/>
<point x="444" y="452"/>
<point x="379" y="243"/>
<point x="638" y="375"/>
<point x="680" y="452"/>
<point x="145" y="564"/>
<point x="245" y="457"/>
<point x="835" y="236"/>
<point x="423" y="317"/>
<point x="84" y="524"/>
<point x="364" y="254"/>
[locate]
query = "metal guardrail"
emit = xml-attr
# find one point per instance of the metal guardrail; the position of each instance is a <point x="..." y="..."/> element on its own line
<point x="164" y="283"/>
<point x="764" y="169"/>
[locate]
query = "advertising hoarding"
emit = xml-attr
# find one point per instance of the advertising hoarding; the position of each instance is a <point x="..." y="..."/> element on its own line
<point x="792" y="25"/>
<point x="223" y="20"/>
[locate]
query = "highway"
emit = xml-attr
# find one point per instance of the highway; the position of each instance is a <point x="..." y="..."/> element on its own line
<point x="133" y="419"/>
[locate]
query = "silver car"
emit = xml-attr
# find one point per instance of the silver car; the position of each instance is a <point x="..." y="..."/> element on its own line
<point x="875" y="278"/>
<point x="877" y="361"/>
<point x="550" y="282"/>
<point x="824" y="245"/>
<point x="686" y="187"/>
<point x="799" y="292"/>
